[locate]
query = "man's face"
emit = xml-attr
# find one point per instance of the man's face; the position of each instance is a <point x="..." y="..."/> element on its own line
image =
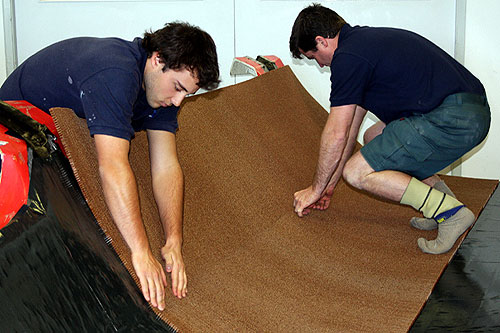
<point x="322" y="57"/>
<point x="324" y="53"/>
<point x="170" y="87"/>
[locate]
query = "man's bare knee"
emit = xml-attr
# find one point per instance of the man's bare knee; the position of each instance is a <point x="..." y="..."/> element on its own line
<point x="373" y="131"/>
<point x="356" y="170"/>
<point x="351" y="174"/>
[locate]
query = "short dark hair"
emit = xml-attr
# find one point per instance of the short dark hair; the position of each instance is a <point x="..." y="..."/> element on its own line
<point x="313" y="21"/>
<point x="181" y="45"/>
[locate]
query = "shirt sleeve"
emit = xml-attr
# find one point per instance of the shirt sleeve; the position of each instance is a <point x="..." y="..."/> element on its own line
<point x="108" y="98"/>
<point x="350" y="77"/>
<point x="164" y="119"/>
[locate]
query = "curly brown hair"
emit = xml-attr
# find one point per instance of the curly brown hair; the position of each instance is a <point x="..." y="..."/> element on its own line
<point x="181" y="45"/>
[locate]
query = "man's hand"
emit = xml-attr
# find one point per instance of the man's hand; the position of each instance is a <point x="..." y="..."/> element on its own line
<point x="324" y="201"/>
<point x="152" y="278"/>
<point x="174" y="264"/>
<point x="120" y="192"/>
<point x="168" y="189"/>
<point x="337" y="143"/>
<point x="304" y="200"/>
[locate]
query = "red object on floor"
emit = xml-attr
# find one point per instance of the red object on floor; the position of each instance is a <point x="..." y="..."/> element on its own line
<point x="276" y="60"/>
<point x="14" y="171"/>
<point x="259" y="68"/>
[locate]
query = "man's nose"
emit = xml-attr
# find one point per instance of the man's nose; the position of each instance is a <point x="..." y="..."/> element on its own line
<point x="177" y="100"/>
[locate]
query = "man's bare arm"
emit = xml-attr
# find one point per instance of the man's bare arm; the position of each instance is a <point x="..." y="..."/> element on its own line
<point x="168" y="188"/>
<point x="351" y="143"/>
<point x="324" y="201"/>
<point x="120" y="192"/>
<point x="334" y="139"/>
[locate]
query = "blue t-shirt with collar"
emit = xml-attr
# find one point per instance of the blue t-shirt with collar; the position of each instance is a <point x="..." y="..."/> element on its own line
<point x="99" y="78"/>
<point x="394" y="73"/>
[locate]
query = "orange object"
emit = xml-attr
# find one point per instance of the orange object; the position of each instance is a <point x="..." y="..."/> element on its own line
<point x="272" y="58"/>
<point x="14" y="170"/>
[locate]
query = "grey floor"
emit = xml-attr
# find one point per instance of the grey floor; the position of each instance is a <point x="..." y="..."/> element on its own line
<point x="467" y="296"/>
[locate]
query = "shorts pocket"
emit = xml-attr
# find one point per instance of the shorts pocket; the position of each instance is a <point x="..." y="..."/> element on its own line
<point x="413" y="141"/>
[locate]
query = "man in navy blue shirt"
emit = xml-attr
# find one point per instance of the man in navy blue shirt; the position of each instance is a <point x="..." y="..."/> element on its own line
<point x="431" y="109"/>
<point x="121" y="87"/>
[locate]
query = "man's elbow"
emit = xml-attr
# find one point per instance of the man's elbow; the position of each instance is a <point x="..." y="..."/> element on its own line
<point x="173" y="170"/>
<point x="111" y="170"/>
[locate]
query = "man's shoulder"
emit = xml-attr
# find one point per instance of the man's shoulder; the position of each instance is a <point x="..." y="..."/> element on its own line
<point x="78" y="45"/>
<point x="359" y="31"/>
<point x="95" y="53"/>
<point x="109" y="49"/>
<point x="93" y="56"/>
<point x="367" y="36"/>
<point x="382" y="44"/>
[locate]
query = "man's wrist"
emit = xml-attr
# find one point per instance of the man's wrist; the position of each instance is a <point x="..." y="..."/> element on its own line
<point x="316" y="189"/>
<point x="141" y="252"/>
<point x="173" y="240"/>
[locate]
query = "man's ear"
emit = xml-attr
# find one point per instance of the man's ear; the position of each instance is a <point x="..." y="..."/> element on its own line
<point x="321" y="42"/>
<point x="156" y="59"/>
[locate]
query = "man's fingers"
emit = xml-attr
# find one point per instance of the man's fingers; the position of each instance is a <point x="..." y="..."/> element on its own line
<point x="182" y="284"/>
<point x="164" y="278"/>
<point x="170" y="267"/>
<point x="157" y="292"/>
<point x="152" y="292"/>
<point x="168" y="263"/>
<point x="160" y="293"/>
<point x="152" y="279"/>
<point x="302" y="202"/>
<point x="175" y="281"/>
<point x="185" y="285"/>
<point x="179" y="286"/>
<point x="298" y="210"/>
<point x="175" y="266"/>
<point x="144" y="287"/>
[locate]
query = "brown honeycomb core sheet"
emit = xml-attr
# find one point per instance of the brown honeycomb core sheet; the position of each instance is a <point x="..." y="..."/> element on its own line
<point x="252" y="264"/>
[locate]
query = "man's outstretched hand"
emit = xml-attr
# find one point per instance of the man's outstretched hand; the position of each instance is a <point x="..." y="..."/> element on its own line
<point x="152" y="275"/>
<point x="307" y="199"/>
<point x="174" y="264"/>
<point x="303" y="200"/>
<point x="324" y="201"/>
<point x="152" y="278"/>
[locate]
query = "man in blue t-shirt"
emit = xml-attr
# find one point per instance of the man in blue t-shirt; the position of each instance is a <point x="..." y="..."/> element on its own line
<point x="432" y="111"/>
<point x="121" y="87"/>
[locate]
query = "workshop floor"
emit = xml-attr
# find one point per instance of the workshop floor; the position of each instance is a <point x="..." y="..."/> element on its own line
<point x="467" y="296"/>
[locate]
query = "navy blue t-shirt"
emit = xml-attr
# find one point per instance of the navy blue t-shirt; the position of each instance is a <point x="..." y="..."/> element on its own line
<point x="394" y="73"/>
<point x="99" y="78"/>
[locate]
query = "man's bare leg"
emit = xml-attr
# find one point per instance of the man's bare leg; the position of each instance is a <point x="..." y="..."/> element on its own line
<point x="424" y="223"/>
<point x="373" y="131"/>
<point x="454" y="218"/>
<point x="421" y="223"/>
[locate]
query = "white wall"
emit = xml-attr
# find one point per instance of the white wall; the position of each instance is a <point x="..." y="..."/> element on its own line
<point x="482" y="50"/>
<point x="239" y="27"/>
<point x="260" y="27"/>
<point x="40" y="23"/>
<point x="264" y="26"/>
<point x="3" y="64"/>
